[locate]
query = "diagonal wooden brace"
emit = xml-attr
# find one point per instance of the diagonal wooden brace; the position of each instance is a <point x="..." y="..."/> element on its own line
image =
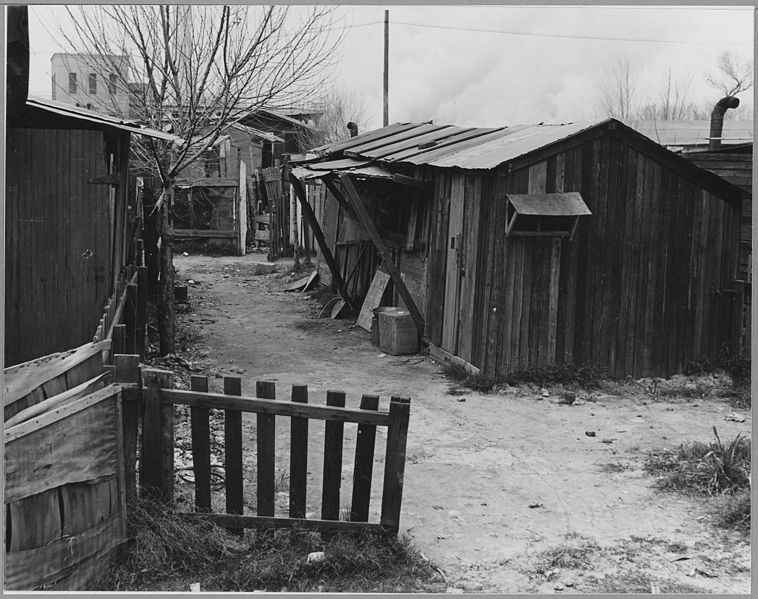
<point x="319" y="235"/>
<point x="350" y="194"/>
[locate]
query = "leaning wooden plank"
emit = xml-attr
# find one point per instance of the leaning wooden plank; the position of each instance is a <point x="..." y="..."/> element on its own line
<point x="263" y="522"/>
<point x="34" y="568"/>
<point x="201" y="448"/>
<point x="76" y="447"/>
<point x="266" y="429"/>
<point x="298" y="456"/>
<point x="57" y="400"/>
<point x="22" y="379"/>
<point x="364" y="464"/>
<point x="279" y="408"/>
<point x="394" y="466"/>
<point x="333" y="434"/>
<point x="233" y="452"/>
<point x="441" y="355"/>
<point x="87" y="370"/>
<point x="373" y="298"/>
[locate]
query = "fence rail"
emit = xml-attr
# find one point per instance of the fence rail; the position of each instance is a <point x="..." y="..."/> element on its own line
<point x="157" y="466"/>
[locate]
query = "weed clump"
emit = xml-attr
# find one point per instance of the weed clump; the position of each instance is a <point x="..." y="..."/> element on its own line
<point x="168" y="551"/>
<point x="707" y="468"/>
<point x="714" y="469"/>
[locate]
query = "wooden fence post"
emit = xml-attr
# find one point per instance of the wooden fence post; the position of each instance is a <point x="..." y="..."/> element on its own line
<point x="157" y="456"/>
<point x="266" y="445"/>
<point x="364" y="463"/>
<point x="141" y="323"/>
<point x="333" y="436"/>
<point x="127" y="371"/>
<point x="233" y="452"/>
<point x="394" y="465"/>
<point x="201" y="447"/>
<point x="298" y="455"/>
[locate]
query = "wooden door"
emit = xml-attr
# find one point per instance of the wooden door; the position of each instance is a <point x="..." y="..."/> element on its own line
<point x="453" y="265"/>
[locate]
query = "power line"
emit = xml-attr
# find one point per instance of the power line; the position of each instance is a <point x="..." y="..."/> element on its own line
<point x="559" y="35"/>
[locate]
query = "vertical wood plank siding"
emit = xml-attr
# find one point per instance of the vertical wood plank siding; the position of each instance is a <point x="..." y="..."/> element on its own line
<point x="58" y="240"/>
<point x="644" y="286"/>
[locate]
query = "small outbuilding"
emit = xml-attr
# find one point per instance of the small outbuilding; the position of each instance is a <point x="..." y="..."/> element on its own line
<point x="71" y="224"/>
<point x="536" y="245"/>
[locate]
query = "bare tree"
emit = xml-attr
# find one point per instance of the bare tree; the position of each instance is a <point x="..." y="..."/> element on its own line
<point x="671" y="101"/>
<point x="192" y="70"/>
<point x="734" y="76"/>
<point x="338" y="108"/>
<point x="618" y="90"/>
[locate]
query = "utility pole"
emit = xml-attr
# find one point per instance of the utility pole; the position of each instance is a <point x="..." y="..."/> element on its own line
<point x="386" y="67"/>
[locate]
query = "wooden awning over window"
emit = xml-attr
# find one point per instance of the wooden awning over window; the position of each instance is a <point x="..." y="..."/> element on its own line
<point x="545" y="214"/>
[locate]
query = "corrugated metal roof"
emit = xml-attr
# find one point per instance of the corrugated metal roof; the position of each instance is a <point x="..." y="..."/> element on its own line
<point x="77" y="112"/>
<point x="549" y="204"/>
<point x="265" y="135"/>
<point x="449" y="146"/>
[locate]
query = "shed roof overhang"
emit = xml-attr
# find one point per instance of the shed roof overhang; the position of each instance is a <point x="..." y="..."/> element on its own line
<point x="41" y="112"/>
<point x="360" y="169"/>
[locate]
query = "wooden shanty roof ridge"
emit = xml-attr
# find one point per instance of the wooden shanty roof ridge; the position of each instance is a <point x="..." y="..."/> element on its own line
<point x="106" y="120"/>
<point x="448" y="146"/>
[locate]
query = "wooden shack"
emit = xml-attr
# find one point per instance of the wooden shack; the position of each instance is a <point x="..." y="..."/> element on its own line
<point x="735" y="164"/>
<point x="70" y="224"/>
<point x="579" y="243"/>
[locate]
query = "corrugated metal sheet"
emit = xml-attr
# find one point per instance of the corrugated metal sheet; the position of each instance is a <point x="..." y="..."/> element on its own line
<point x="449" y="146"/>
<point x="95" y="117"/>
<point x="549" y="204"/>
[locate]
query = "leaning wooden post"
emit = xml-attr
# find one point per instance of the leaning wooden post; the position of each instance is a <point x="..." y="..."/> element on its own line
<point x="394" y="466"/>
<point x="141" y="323"/>
<point x="119" y="339"/>
<point x="310" y="217"/>
<point x="127" y="371"/>
<point x="157" y="456"/>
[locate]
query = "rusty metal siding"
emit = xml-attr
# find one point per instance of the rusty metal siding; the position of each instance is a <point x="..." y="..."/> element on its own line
<point x="58" y="236"/>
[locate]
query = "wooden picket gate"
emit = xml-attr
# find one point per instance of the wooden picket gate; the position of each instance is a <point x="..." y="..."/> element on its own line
<point x="157" y="472"/>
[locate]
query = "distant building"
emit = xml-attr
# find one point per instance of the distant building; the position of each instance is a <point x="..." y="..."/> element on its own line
<point x="91" y="81"/>
<point x="691" y="136"/>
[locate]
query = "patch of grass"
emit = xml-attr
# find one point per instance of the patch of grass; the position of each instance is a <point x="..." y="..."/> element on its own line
<point x="733" y="511"/>
<point x="736" y="366"/>
<point x="613" y="467"/>
<point x="636" y="582"/>
<point x="586" y="377"/>
<point x="707" y="468"/>
<point x="567" y="556"/>
<point x="167" y="552"/>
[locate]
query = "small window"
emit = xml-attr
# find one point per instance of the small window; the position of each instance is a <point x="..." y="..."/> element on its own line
<point x="112" y="84"/>
<point x="546" y="214"/>
<point x="72" y="83"/>
<point x="92" y="84"/>
<point x="53" y="86"/>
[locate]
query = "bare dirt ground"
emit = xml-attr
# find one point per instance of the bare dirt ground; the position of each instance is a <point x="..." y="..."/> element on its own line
<point x="504" y="492"/>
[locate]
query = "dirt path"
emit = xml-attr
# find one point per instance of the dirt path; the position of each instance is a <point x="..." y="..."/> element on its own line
<point x="491" y="480"/>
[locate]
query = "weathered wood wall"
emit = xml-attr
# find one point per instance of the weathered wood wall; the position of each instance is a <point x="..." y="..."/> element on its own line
<point x="645" y="284"/>
<point x="66" y="239"/>
<point x="64" y="488"/>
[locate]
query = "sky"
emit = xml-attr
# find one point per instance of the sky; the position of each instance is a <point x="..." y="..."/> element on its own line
<point x="502" y="65"/>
